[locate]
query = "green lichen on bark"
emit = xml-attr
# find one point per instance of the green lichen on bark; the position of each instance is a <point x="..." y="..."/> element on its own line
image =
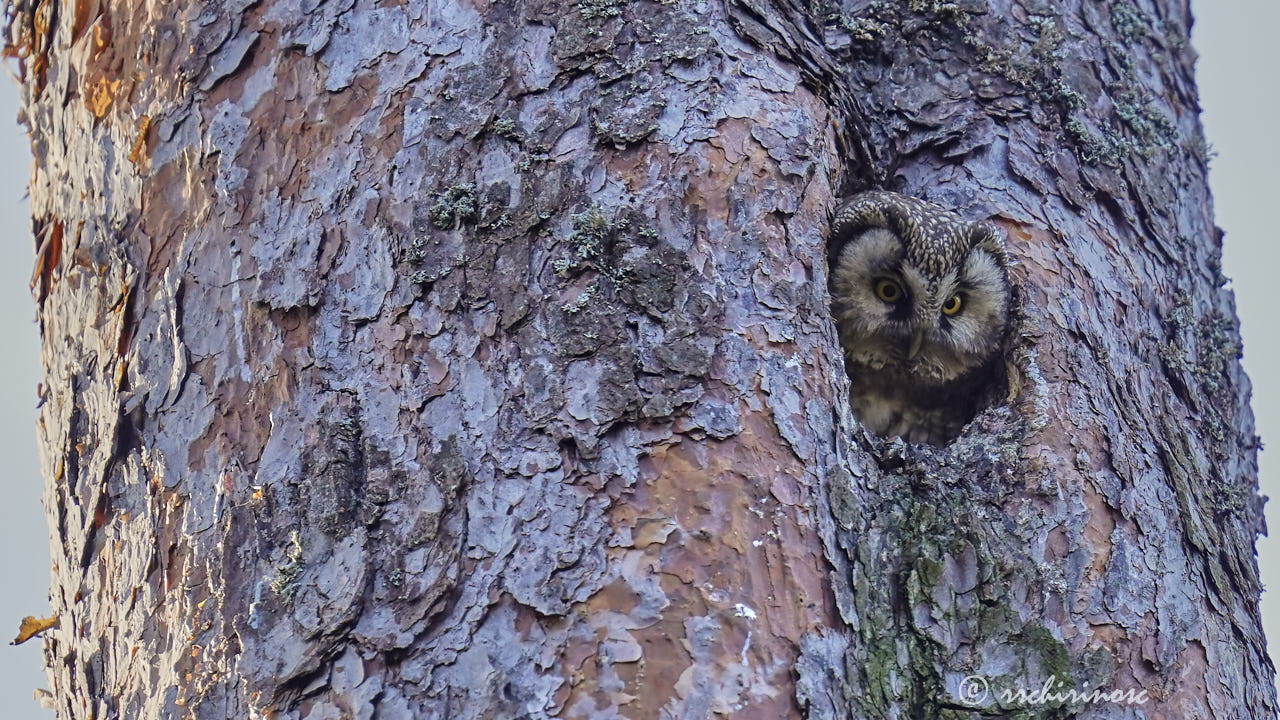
<point x="623" y="250"/>
<point x="1197" y="355"/>
<point x="453" y="206"/>
<point x="940" y="603"/>
<point x="1033" y="64"/>
<point x="615" y="264"/>
<point x="284" y="582"/>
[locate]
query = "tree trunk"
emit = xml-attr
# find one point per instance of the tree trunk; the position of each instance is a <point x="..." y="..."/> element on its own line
<point x="471" y="360"/>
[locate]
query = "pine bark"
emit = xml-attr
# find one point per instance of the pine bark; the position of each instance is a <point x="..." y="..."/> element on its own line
<point x="468" y="360"/>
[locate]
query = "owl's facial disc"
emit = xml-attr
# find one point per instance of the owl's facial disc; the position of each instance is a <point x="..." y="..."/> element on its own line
<point x="960" y="315"/>
<point x="895" y="316"/>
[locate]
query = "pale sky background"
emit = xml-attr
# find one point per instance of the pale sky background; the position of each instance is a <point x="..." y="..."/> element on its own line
<point x="1237" y="74"/>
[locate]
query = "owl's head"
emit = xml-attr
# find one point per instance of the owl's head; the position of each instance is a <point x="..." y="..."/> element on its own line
<point x="918" y="291"/>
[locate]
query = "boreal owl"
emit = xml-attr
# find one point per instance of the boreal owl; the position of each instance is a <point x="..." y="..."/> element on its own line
<point x="922" y="300"/>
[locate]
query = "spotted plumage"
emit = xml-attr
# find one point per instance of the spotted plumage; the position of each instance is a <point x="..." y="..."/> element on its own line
<point x="921" y="297"/>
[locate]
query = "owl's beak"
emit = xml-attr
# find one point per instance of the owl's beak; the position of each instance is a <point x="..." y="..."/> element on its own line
<point x="916" y="340"/>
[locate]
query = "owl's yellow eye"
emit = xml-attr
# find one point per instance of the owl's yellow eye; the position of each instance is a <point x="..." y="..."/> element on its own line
<point x="888" y="290"/>
<point x="953" y="305"/>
